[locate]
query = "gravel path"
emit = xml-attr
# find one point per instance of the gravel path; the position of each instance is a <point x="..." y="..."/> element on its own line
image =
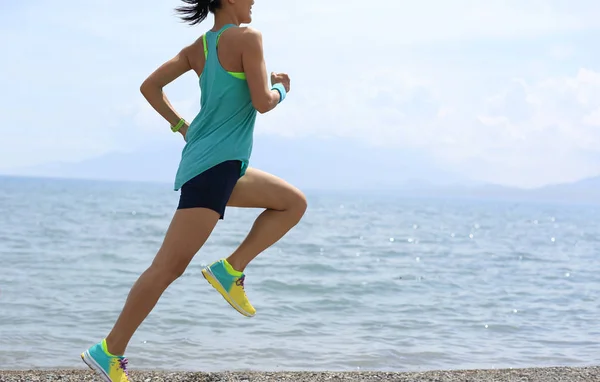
<point x="558" y="374"/>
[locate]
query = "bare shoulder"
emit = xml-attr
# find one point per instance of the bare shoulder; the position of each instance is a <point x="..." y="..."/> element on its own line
<point x="250" y="31"/>
<point x="250" y="34"/>
<point x="195" y="47"/>
<point x="194" y="54"/>
<point x="250" y="38"/>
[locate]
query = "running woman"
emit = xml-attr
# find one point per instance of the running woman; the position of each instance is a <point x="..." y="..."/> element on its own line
<point x="213" y="172"/>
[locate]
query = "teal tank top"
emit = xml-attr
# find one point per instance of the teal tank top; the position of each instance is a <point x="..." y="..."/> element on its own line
<point x="223" y="129"/>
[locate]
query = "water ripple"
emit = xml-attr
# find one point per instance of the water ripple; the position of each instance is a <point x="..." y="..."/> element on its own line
<point x="362" y="282"/>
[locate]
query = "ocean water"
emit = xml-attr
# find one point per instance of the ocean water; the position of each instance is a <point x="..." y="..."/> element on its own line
<point x="368" y="282"/>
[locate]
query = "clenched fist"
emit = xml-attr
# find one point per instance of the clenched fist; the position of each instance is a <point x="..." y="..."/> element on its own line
<point x="281" y="78"/>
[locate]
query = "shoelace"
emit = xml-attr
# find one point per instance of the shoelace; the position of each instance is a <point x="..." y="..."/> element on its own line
<point x="123" y="364"/>
<point x="240" y="281"/>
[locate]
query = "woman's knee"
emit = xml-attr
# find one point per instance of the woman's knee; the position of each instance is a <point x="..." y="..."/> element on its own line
<point x="187" y="233"/>
<point x="296" y="203"/>
<point x="168" y="271"/>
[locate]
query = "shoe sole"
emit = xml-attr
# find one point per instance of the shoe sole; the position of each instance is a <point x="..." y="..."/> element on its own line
<point x="214" y="282"/>
<point x="92" y="364"/>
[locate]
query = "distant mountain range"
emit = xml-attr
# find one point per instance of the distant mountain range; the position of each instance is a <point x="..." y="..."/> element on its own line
<point x="309" y="163"/>
<point x="584" y="191"/>
<point x="325" y="164"/>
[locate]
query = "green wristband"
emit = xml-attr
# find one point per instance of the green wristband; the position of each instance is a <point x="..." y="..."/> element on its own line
<point x="178" y="126"/>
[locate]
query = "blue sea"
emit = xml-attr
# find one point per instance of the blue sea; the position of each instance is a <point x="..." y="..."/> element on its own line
<point x="364" y="282"/>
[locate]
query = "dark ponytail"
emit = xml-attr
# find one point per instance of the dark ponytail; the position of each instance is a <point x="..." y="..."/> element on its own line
<point x="197" y="10"/>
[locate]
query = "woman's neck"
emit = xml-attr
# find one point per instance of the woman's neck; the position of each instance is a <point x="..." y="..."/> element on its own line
<point x="224" y="17"/>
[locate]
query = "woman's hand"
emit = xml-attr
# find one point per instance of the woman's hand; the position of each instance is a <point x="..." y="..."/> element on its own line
<point x="183" y="131"/>
<point x="281" y="78"/>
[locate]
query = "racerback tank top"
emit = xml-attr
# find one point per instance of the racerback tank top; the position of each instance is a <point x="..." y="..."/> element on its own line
<point x="223" y="129"/>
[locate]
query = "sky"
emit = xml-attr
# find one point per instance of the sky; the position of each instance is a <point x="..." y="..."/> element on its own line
<point x="500" y="91"/>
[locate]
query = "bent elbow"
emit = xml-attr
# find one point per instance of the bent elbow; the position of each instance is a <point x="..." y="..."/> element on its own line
<point x="149" y="87"/>
<point x="265" y="104"/>
<point x="144" y="87"/>
<point x="262" y="107"/>
<point x="262" y="110"/>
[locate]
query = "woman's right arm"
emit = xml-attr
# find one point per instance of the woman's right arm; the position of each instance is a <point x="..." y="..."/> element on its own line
<point x="264" y="99"/>
<point x="152" y="87"/>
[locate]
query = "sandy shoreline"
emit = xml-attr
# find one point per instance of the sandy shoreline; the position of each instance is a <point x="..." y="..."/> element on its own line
<point x="555" y="374"/>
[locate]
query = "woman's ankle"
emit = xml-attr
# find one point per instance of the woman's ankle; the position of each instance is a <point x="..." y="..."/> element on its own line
<point x="113" y="348"/>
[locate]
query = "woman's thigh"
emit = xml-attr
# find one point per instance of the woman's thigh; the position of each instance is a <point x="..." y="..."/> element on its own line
<point x="259" y="189"/>
<point x="187" y="233"/>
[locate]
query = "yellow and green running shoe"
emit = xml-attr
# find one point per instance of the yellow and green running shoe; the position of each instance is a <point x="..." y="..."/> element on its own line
<point x="109" y="367"/>
<point x="230" y="283"/>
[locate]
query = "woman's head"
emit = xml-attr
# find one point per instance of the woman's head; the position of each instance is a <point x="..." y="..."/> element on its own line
<point x="197" y="10"/>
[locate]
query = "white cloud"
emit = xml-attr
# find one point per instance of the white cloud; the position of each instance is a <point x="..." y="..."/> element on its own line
<point x="541" y="132"/>
<point x="593" y="118"/>
<point x="526" y="134"/>
<point x="561" y="52"/>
